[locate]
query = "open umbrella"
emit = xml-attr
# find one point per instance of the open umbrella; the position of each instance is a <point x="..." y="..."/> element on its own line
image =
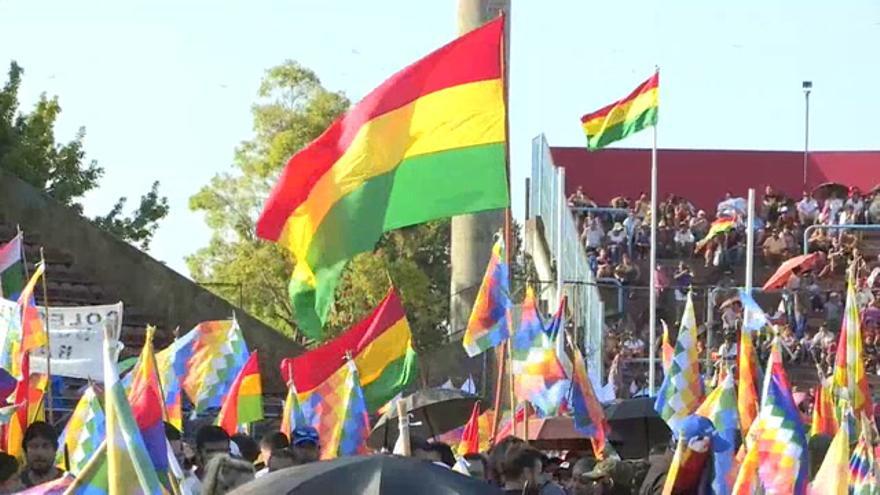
<point x="556" y="433"/>
<point x="367" y="475"/>
<point x="432" y="412"/>
<point x="825" y="189"/>
<point x="637" y="427"/>
<point x="783" y="273"/>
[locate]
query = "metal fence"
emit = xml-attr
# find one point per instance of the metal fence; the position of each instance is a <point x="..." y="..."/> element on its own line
<point x="547" y="200"/>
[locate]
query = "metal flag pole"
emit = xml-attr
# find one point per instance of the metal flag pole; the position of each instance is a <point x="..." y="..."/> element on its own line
<point x="750" y="243"/>
<point x="652" y="280"/>
<point x="50" y="408"/>
<point x="562" y="206"/>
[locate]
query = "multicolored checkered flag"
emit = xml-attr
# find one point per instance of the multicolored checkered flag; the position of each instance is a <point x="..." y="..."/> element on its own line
<point x="682" y="389"/>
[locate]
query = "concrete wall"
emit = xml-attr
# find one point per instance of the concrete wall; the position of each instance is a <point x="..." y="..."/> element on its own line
<point x="134" y="277"/>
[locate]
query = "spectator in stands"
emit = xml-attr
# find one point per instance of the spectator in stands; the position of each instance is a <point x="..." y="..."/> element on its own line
<point x="847" y="216"/>
<point x="592" y="235"/>
<point x="831" y="210"/>
<point x="872" y="215"/>
<point x="791" y="243"/>
<point x="630" y="225"/>
<point x="808" y="209"/>
<point x="604" y="269"/>
<point x="770" y="204"/>
<point x="700" y="225"/>
<point x="627" y="272"/>
<point x="642" y="206"/>
<point x="635" y="347"/>
<point x="833" y="310"/>
<point x="682" y="280"/>
<point x="642" y="242"/>
<point x="857" y="205"/>
<point x="665" y="239"/>
<point x="819" y="241"/>
<point x="617" y="242"/>
<point x="577" y="198"/>
<point x="684" y="240"/>
<point x="775" y="249"/>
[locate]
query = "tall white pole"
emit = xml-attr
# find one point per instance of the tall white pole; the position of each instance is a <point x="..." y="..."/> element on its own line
<point x="750" y="242"/>
<point x="560" y="219"/>
<point x="652" y="279"/>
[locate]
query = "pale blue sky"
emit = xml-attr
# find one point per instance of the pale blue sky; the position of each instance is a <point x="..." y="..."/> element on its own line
<point x="164" y="87"/>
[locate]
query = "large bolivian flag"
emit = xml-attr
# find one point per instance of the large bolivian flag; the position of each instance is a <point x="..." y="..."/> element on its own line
<point x="428" y="143"/>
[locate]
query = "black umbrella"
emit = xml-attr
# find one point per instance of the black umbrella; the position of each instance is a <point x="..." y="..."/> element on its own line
<point x="637" y="426"/>
<point x="434" y="411"/>
<point x="367" y="475"/>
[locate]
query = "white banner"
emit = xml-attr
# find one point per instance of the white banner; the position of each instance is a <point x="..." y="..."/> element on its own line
<point x="76" y="340"/>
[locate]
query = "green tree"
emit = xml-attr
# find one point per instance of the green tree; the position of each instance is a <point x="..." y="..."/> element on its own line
<point x="28" y="149"/>
<point x="292" y="109"/>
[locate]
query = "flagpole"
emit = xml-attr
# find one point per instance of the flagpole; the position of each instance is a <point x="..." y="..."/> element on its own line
<point x="652" y="283"/>
<point x="49" y="409"/>
<point x="750" y="244"/>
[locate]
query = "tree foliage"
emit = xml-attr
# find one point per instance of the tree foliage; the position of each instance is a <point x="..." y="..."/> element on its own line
<point x="29" y="150"/>
<point x="292" y="109"/>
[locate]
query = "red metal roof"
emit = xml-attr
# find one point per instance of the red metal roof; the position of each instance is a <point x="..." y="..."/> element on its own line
<point x="703" y="176"/>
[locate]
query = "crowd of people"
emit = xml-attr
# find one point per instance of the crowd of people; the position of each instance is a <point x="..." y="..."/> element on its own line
<point x="215" y="463"/>
<point x="617" y="236"/>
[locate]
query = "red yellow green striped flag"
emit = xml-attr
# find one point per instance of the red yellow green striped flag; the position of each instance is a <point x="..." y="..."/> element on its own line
<point x="380" y="346"/>
<point x="244" y="403"/>
<point x="626" y="116"/>
<point x="428" y="143"/>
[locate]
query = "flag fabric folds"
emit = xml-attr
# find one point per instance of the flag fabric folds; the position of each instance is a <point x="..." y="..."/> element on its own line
<point x="83" y="434"/>
<point x="667" y="350"/>
<point x="777" y="436"/>
<point x="747" y="392"/>
<point x="823" y="421"/>
<point x="488" y="324"/>
<point x="624" y="117"/>
<point x="381" y="347"/>
<point x="849" y="380"/>
<point x="536" y="364"/>
<point x="122" y="464"/>
<point x="203" y="364"/>
<point x="470" y="436"/>
<point x="147" y="406"/>
<point x="863" y="468"/>
<point x="11" y="268"/>
<point x="754" y="317"/>
<point x="589" y="417"/>
<point x="244" y="402"/>
<point x="291" y="415"/>
<point x="718" y="227"/>
<point x="337" y="409"/>
<point x="720" y="407"/>
<point x="833" y="475"/>
<point x="393" y="160"/>
<point x="682" y="389"/>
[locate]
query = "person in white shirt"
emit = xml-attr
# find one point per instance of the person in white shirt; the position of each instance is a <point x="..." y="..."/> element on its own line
<point x="857" y="203"/>
<point x="617" y="241"/>
<point x="808" y="209"/>
<point x="684" y="240"/>
<point x="832" y="208"/>
<point x="592" y="234"/>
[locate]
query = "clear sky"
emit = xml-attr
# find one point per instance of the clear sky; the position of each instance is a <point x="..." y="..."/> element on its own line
<point x="164" y="87"/>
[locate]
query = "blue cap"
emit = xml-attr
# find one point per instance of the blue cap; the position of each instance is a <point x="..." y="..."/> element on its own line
<point x="305" y="434"/>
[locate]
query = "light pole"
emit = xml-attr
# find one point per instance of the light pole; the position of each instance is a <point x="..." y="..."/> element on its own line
<point x="807" y="87"/>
